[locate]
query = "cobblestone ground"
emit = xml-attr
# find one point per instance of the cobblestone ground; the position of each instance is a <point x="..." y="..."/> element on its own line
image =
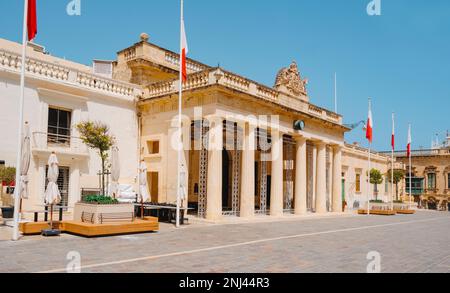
<point x="417" y="243"/>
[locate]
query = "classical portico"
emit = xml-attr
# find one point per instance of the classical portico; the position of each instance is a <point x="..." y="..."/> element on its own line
<point x="251" y="150"/>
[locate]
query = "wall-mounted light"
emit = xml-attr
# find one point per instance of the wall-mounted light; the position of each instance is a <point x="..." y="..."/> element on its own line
<point x="299" y="125"/>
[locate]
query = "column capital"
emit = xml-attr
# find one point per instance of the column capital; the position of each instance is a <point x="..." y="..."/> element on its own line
<point x="299" y="138"/>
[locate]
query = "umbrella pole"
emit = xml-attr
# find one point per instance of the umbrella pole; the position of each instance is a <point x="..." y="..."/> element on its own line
<point x="51" y="217"/>
<point x="142" y="209"/>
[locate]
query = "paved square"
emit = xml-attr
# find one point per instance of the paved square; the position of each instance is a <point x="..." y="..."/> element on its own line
<point x="417" y="243"/>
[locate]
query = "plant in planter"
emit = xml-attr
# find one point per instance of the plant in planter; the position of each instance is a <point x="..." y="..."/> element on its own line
<point x="96" y="136"/>
<point x="399" y="175"/>
<point x="100" y="200"/>
<point x="376" y="178"/>
<point x="7" y="177"/>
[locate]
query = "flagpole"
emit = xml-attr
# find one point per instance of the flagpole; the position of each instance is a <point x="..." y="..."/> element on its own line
<point x="180" y="96"/>
<point x="335" y="93"/>
<point x="15" y="235"/>
<point x="370" y="154"/>
<point x="392" y="161"/>
<point x="410" y="171"/>
<point x="368" y="182"/>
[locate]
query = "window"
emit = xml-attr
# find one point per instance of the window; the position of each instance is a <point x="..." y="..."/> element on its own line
<point x="358" y="183"/>
<point x="431" y="181"/>
<point x="448" y="180"/>
<point x="153" y="147"/>
<point x="59" y="122"/>
<point x="386" y="185"/>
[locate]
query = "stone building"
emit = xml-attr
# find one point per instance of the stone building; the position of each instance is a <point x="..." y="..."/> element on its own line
<point x="58" y="95"/>
<point x="273" y="151"/>
<point x="430" y="175"/>
<point x="249" y="149"/>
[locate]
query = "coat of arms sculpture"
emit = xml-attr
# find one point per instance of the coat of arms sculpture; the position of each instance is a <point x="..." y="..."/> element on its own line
<point x="289" y="78"/>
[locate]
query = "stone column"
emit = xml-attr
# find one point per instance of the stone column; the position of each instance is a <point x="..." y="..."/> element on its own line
<point x="276" y="191"/>
<point x="248" y="172"/>
<point x="337" y="179"/>
<point x="321" y="179"/>
<point x="214" y="186"/>
<point x="300" y="177"/>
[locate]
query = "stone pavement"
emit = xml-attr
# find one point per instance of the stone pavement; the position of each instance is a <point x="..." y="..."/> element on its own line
<point x="417" y="243"/>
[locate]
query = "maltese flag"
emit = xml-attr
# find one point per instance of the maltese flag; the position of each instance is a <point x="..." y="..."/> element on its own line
<point x="408" y="148"/>
<point x="393" y="133"/>
<point x="31" y="20"/>
<point x="184" y="52"/>
<point x="369" y="130"/>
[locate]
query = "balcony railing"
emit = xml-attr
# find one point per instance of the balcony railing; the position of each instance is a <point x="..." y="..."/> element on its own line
<point x="13" y="61"/>
<point x="418" y="153"/>
<point x="43" y="141"/>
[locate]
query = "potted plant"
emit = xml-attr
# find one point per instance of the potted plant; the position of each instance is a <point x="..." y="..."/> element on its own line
<point x="96" y="136"/>
<point x="399" y="175"/>
<point x="7" y="177"/>
<point x="376" y="178"/>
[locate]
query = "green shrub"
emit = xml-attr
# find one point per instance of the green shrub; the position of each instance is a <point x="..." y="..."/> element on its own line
<point x="398" y="201"/>
<point x="376" y="201"/>
<point x="100" y="199"/>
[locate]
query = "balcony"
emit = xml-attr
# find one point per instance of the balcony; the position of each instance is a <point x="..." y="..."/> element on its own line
<point x="43" y="144"/>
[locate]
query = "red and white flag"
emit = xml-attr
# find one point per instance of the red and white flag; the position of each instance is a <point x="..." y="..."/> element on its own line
<point x="184" y="49"/>
<point x="408" y="148"/>
<point x="31" y="20"/>
<point x="393" y="132"/>
<point x="369" y="126"/>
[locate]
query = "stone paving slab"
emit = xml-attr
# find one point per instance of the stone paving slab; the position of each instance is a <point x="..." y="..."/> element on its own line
<point x="413" y="243"/>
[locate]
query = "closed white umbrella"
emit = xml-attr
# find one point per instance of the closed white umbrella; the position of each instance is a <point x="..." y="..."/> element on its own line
<point x="143" y="189"/>
<point x="25" y="165"/>
<point x="143" y="184"/>
<point x="115" y="172"/>
<point x="52" y="195"/>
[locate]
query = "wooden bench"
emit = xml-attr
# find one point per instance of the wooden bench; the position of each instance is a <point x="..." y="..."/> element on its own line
<point x="116" y="217"/>
<point x="87" y="217"/>
<point x="378" y="212"/>
<point x="149" y="224"/>
<point x="405" y="212"/>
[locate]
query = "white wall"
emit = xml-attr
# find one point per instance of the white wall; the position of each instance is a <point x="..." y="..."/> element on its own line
<point x="117" y="112"/>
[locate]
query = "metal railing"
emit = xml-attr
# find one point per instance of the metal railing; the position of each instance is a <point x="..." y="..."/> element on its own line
<point x="50" y="141"/>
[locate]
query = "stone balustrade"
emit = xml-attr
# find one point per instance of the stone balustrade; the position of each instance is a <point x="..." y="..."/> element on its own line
<point x="174" y="59"/>
<point x="236" y="82"/>
<point x="43" y="69"/>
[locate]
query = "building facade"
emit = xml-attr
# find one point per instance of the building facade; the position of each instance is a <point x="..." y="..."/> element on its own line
<point x="59" y="94"/>
<point x="248" y="149"/>
<point x="430" y="176"/>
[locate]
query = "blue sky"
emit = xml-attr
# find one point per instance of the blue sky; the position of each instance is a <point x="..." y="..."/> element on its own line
<point x="401" y="59"/>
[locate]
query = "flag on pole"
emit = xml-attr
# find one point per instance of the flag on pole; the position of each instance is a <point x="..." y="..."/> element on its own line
<point x="369" y="130"/>
<point x="408" y="148"/>
<point x="393" y="132"/>
<point x="32" y="20"/>
<point x="184" y="51"/>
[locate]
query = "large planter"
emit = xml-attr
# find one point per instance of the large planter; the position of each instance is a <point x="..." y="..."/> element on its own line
<point x="96" y="210"/>
<point x="8" y="213"/>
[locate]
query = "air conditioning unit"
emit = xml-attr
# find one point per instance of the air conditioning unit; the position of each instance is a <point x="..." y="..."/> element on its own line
<point x="103" y="68"/>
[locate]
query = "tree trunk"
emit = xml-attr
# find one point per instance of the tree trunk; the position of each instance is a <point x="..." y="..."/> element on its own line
<point x="396" y="191"/>
<point x="103" y="173"/>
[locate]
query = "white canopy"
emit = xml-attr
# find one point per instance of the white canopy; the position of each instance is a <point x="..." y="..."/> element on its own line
<point x="52" y="194"/>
